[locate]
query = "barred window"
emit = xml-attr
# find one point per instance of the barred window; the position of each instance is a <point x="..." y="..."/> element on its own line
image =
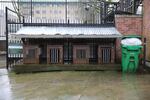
<point x="81" y="53"/>
<point x="54" y="55"/>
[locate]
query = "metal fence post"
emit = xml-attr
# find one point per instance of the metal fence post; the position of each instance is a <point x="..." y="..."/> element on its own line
<point x="31" y="11"/>
<point x="66" y="10"/>
<point x="6" y="15"/>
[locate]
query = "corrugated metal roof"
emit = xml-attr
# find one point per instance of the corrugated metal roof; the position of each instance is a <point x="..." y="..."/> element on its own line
<point x="68" y="32"/>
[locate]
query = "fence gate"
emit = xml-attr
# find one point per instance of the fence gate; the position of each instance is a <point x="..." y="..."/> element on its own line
<point x="54" y="56"/>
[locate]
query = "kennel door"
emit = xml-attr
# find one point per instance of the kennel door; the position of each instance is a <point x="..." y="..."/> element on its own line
<point x="54" y="56"/>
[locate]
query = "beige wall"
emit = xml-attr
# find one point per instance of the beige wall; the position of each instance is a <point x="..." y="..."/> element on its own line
<point x="56" y="12"/>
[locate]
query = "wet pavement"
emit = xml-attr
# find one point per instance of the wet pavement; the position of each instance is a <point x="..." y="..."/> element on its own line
<point x="2" y="61"/>
<point x="148" y="64"/>
<point x="74" y="85"/>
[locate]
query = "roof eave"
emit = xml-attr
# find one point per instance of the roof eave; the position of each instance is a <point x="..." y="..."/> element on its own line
<point x="67" y="36"/>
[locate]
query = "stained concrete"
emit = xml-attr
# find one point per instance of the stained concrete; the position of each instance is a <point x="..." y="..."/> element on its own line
<point x="74" y="85"/>
<point x="2" y="61"/>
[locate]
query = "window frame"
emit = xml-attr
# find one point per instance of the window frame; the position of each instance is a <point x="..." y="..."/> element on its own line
<point x="31" y="55"/>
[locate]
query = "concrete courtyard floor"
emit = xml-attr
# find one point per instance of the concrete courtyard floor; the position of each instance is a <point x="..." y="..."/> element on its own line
<point x="2" y="61"/>
<point x="74" y="85"/>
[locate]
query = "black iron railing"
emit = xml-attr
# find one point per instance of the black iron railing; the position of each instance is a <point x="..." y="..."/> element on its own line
<point x="67" y="12"/>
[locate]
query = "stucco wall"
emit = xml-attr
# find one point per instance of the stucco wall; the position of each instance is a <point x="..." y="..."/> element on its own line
<point x="146" y="25"/>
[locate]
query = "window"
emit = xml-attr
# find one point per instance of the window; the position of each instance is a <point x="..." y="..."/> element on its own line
<point x="31" y="53"/>
<point x="59" y="12"/>
<point x="106" y="55"/>
<point x="44" y="18"/>
<point x="44" y="11"/>
<point x="55" y="12"/>
<point x="51" y="11"/>
<point x="55" y="5"/>
<point x="37" y="12"/>
<point x="54" y="55"/>
<point x="81" y="53"/>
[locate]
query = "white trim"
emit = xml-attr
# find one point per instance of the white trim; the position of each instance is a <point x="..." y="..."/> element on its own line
<point x="15" y="47"/>
<point x="2" y="38"/>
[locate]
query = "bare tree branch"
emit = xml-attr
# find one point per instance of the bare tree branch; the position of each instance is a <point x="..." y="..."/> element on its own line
<point x="16" y="8"/>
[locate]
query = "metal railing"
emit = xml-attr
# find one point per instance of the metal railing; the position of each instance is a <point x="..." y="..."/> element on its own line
<point x="13" y="24"/>
<point x="57" y="12"/>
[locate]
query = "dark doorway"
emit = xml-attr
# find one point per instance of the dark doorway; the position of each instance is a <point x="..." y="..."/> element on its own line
<point x="43" y="54"/>
<point x="93" y="54"/>
<point x="68" y="53"/>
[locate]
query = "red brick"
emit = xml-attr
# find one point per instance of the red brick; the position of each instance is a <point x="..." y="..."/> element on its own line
<point x="127" y="25"/>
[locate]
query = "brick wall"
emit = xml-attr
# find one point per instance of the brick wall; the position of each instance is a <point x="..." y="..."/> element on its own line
<point x="146" y="25"/>
<point x="127" y="25"/>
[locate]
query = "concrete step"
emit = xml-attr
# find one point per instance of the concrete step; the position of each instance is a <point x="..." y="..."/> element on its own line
<point x="66" y="67"/>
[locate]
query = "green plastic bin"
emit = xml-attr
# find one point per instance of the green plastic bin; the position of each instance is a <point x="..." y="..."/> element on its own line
<point x="130" y="56"/>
